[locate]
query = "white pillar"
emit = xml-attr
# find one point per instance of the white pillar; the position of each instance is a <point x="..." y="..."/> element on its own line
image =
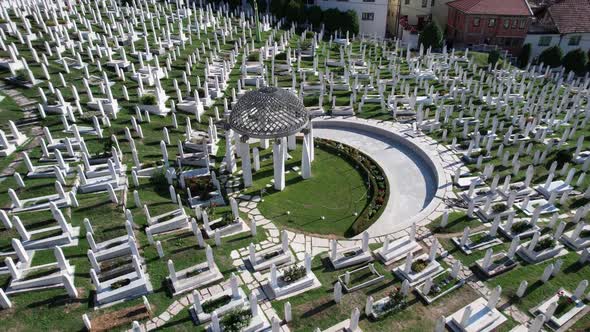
<point x="246" y="163"/>
<point x="278" y="156"/>
<point x="305" y="159"/>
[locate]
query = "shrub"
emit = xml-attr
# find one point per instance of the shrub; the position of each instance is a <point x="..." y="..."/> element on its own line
<point x="314" y="15"/>
<point x="200" y="186"/>
<point x="294" y="11"/>
<point x="419" y="265"/>
<point x="253" y="56"/>
<point x="563" y="156"/>
<point x="551" y="56"/>
<point x="211" y="305"/>
<point x="493" y="57"/>
<point x="499" y="208"/>
<point x="524" y="55"/>
<point x="575" y="61"/>
<point x="293" y="273"/>
<point x="545" y="243"/>
<point x="350" y="22"/>
<point x="332" y="19"/>
<point x="21" y="75"/>
<point x="236" y="320"/>
<point x="431" y="36"/>
<point x="148" y="99"/>
<point x="520" y="227"/>
<point x="159" y="181"/>
<point x="306" y="44"/>
<point x="281" y="56"/>
<point x="277" y="7"/>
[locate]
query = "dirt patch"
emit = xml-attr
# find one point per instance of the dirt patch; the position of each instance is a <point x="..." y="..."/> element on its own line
<point x="126" y="316"/>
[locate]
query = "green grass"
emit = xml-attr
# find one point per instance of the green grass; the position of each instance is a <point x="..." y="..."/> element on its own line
<point x="316" y="308"/>
<point x="456" y="223"/>
<point x="9" y="110"/>
<point x="336" y="191"/>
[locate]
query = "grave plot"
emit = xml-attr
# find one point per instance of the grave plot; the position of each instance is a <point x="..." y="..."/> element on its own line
<point x="159" y="91"/>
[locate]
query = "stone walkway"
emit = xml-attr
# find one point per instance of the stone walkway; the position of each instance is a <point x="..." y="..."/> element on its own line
<point x="411" y="161"/>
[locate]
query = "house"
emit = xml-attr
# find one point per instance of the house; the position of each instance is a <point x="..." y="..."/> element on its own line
<point x="565" y="23"/>
<point x="496" y="22"/>
<point x="372" y="14"/>
<point x="419" y="12"/>
<point x="415" y="14"/>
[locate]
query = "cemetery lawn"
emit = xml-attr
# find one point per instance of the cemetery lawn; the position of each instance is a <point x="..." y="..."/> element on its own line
<point x="336" y="191"/>
<point x="316" y="308"/>
<point x="9" y="110"/>
<point x="570" y="275"/>
<point x="456" y="223"/>
<point x="568" y="278"/>
<point x="52" y="309"/>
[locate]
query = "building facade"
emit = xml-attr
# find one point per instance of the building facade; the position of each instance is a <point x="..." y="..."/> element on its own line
<point x="503" y="23"/>
<point x="565" y="24"/>
<point x="372" y="14"/>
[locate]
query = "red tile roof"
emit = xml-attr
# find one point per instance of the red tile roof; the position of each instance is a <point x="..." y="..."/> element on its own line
<point x="571" y="16"/>
<point x="492" y="7"/>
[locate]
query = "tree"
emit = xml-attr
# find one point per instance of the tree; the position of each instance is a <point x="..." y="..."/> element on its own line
<point x="350" y="22"/>
<point x="493" y="57"/>
<point x="314" y="16"/>
<point x="525" y="55"/>
<point x="551" y="56"/>
<point x="294" y="12"/>
<point x="277" y="7"/>
<point x="575" y="61"/>
<point x="431" y="36"/>
<point x="233" y="4"/>
<point x="261" y="6"/>
<point x="332" y="19"/>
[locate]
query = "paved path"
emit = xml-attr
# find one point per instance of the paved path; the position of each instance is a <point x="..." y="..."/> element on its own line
<point x="419" y="171"/>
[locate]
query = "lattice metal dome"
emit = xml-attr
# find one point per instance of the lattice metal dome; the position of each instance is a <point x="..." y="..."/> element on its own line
<point x="268" y="113"/>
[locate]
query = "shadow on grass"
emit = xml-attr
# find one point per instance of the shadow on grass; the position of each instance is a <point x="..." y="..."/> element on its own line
<point x="316" y="310"/>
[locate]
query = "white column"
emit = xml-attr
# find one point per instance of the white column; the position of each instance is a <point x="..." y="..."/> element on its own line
<point x="278" y="157"/>
<point x="246" y="163"/>
<point x="305" y="159"/>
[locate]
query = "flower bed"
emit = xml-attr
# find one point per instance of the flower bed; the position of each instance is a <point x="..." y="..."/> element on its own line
<point x="545" y="243"/>
<point x="293" y="273"/>
<point x="419" y="265"/>
<point x="236" y="320"/>
<point x="564" y="304"/>
<point x="520" y="227"/>
<point x="212" y="305"/>
<point x="443" y="283"/>
<point x="394" y="302"/>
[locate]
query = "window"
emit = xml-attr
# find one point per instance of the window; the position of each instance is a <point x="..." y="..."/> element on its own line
<point x="522" y="24"/>
<point x="368" y="16"/>
<point x="368" y="0"/>
<point x="492" y="22"/>
<point x="574" y="40"/>
<point x="514" y="23"/>
<point x="476" y="22"/>
<point x="506" y="24"/>
<point x="544" y="41"/>
<point x="424" y="3"/>
<point x="407" y="2"/>
<point x="432" y="3"/>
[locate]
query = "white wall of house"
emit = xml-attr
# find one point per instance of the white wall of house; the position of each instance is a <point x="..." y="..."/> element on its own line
<point x="540" y="42"/>
<point x="372" y="15"/>
<point x="415" y="8"/>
